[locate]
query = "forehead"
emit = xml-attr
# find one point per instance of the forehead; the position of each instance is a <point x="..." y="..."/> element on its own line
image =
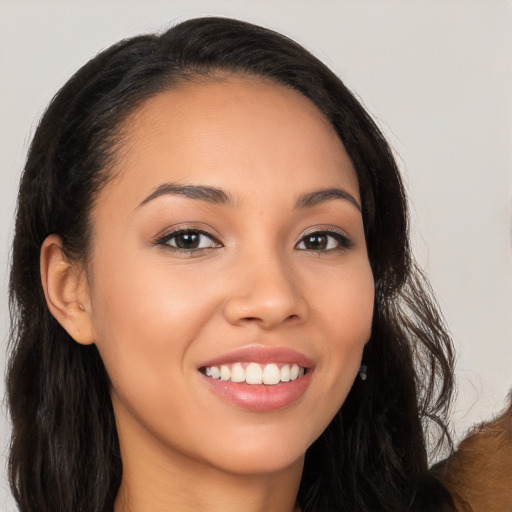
<point x="230" y="132"/>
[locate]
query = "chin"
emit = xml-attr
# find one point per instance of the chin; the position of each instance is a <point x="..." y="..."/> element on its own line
<point x="263" y="464"/>
<point x="262" y="451"/>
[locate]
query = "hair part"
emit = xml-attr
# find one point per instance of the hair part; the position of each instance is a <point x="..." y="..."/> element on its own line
<point x="64" y="449"/>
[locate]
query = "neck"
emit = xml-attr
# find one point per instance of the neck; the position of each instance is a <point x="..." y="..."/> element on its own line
<point x="159" y="480"/>
<point x="144" y="491"/>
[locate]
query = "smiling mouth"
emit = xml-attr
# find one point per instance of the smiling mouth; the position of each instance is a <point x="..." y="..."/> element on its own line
<point x="253" y="373"/>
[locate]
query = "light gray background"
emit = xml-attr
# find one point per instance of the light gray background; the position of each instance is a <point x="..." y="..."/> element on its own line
<point x="435" y="74"/>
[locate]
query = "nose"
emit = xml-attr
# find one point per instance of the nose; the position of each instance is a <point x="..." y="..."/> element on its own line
<point x="266" y="292"/>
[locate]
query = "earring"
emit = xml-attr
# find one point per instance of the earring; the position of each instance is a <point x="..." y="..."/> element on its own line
<point x="362" y="372"/>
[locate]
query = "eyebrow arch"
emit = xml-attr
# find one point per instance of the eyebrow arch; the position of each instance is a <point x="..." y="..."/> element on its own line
<point x="202" y="192"/>
<point x="320" y="196"/>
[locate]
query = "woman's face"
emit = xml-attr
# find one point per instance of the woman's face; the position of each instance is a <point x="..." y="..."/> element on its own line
<point x="229" y="242"/>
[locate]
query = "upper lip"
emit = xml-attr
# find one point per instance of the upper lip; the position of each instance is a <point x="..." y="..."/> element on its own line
<point x="261" y="355"/>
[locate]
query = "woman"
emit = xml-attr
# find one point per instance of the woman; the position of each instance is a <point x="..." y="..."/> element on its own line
<point x="211" y="245"/>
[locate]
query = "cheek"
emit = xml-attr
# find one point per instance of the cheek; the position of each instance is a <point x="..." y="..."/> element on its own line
<point x="355" y="314"/>
<point x="355" y="310"/>
<point x="145" y="319"/>
<point x="138" y="293"/>
<point x="344" y="306"/>
<point x="343" y="314"/>
<point x="145" y="330"/>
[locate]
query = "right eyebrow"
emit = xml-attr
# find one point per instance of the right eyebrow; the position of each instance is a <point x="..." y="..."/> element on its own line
<point x="206" y="193"/>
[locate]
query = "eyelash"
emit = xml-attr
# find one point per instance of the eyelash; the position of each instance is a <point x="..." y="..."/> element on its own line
<point x="342" y="241"/>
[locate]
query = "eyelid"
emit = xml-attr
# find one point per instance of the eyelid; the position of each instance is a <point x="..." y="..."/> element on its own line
<point x="322" y="228"/>
<point x="192" y="226"/>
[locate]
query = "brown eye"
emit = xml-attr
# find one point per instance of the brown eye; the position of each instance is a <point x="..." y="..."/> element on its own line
<point x="324" y="241"/>
<point x="187" y="240"/>
<point x="316" y="242"/>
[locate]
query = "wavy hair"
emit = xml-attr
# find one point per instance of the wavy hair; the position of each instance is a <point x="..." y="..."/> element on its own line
<point x="64" y="452"/>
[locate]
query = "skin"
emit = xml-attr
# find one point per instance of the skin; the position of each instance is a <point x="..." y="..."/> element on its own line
<point x="156" y="314"/>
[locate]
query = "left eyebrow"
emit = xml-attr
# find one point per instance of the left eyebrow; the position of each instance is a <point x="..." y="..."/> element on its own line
<point x="321" y="196"/>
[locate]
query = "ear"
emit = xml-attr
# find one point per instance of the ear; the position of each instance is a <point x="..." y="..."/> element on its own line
<point x="66" y="291"/>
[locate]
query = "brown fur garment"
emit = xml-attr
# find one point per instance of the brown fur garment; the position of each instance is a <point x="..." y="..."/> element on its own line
<point x="479" y="474"/>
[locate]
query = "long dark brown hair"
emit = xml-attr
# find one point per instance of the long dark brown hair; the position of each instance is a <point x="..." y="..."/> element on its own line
<point x="64" y="450"/>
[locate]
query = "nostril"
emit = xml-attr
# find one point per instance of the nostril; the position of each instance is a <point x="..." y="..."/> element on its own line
<point x="258" y="319"/>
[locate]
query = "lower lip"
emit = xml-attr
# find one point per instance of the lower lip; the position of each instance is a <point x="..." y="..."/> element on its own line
<point x="260" y="397"/>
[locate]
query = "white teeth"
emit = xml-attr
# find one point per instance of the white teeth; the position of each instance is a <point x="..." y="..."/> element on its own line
<point x="285" y="373"/>
<point x="254" y="373"/>
<point x="237" y="373"/>
<point x="271" y="374"/>
<point x="225" y="372"/>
